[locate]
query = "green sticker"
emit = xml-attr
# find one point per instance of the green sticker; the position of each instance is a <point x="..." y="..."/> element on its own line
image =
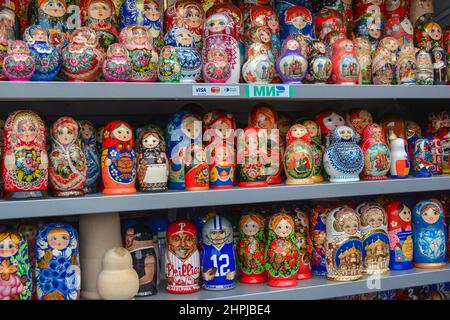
<point x="269" y="91"/>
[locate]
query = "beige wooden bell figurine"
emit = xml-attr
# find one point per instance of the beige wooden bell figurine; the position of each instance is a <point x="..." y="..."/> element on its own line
<point x="118" y="280"/>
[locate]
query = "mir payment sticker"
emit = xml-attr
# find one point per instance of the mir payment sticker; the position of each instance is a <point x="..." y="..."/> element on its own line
<point x="215" y="90"/>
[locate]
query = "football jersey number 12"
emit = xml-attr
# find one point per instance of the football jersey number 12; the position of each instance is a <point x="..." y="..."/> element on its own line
<point x="224" y="259"/>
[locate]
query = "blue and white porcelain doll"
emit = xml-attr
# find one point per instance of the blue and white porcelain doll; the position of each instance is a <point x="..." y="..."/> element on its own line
<point x="187" y="52"/>
<point x="47" y="58"/>
<point x="296" y="20"/>
<point x="343" y="158"/>
<point x="429" y="234"/>
<point x="57" y="263"/>
<point x="92" y="155"/>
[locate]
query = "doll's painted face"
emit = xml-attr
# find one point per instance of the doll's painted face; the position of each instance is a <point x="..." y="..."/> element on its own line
<point x="167" y="51"/>
<point x="435" y="32"/>
<point x="58" y="239"/>
<point x="299" y="131"/>
<point x="199" y="154"/>
<point x="376" y="131"/>
<point x="292" y="45"/>
<point x="345" y="133"/>
<point x="375" y="31"/>
<point x="18" y="47"/>
<point x="272" y="23"/>
<point x="221" y="154"/>
<point x="39" y="34"/>
<point x="217" y="24"/>
<point x="437" y="56"/>
<point x="139" y="36"/>
<point x="430" y="214"/>
<point x="129" y="237"/>
<point x="333" y="121"/>
<point x="54" y="8"/>
<point x="217" y="54"/>
<point x="150" y="141"/>
<point x="80" y="38"/>
<point x="26" y="131"/>
<point x="222" y="129"/>
<point x="312" y="127"/>
<point x="152" y="11"/>
<point x="423" y="58"/>
<point x="182" y="244"/>
<point x="217" y="237"/>
<point x="191" y="128"/>
<point x="253" y="142"/>
<point x="66" y="134"/>
<point x="299" y="21"/>
<point x="8" y="248"/>
<point x="264" y="121"/>
<point x="193" y="17"/>
<point x="320" y="47"/>
<point x="405" y="214"/>
<point x="184" y="37"/>
<point x="264" y="35"/>
<point x="118" y="51"/>
<point x="122" y="133"/>
<point x="350" y="226"/>
<point x="250" y="228"/>
<point x="375" y="218"/>
<point x="392" y="45"/>
<point x="283" y="229"/>
<point x="99" y="10"/>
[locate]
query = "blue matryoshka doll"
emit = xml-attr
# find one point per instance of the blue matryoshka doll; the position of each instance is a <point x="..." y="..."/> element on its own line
<point x="296" y="20"/>
<point x="88" y="144"/>
<point x="421" y="156"/>
<point x="189" y="56"/>
<point x="430" y="235"/>
<point x="57" y="263"/>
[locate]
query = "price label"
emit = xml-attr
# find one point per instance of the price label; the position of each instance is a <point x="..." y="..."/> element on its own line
<point x="269" y="91"/>
<point x="215" y="91"/>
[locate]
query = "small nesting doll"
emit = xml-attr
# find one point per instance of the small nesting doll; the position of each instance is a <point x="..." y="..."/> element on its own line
<point x="169" y="68"/>
<point x="346" y="67"/>
<point x="118" y="159"/>
<point x="421" y="156"/>
<point x="57" y="263"/>
<point x="406" y="67"/>
<point x="344" y="248"/>
<point x="401" y="28"/>
<point x="303" y="242"/>
<point x="292" y="65"/>
<point x="364" y="56"/>
<point x="68" y="168"/>
<point x="328" y="20"/>
<point x="250" y="249"/>
<point x="328" y="120"/>
<point x="377" y="156"/>
<point x="318" y="234"/>
<point x="252" y="158"/>
<point x="357" y="119"/>
<point x="47" y="58"/>
<point x="400" y="235"/>
<point x="260" y="65"/>
<point x="282" y="253"/>
<point x="117" y="65"/>
<point x="9" y="31"/>
<point x="143" y="56"/>
<point x="182" y="258"/>
<point x="375" y="237"/>
<point x="153" y="165"/>
<point x="15" y="271"/>
<point x="25" y="161"/>
<point x="298" y="156"/>
<point x="427" y="33"/>
<point x="383" y="70"/>
<point x="319" y="63"/>
<point x="92" y="156"/>
<point x="430" y="235"/>
<point x="218" y="256"/>
<point x="196" y="169"/>
<point x="400" y="162"/>
<point x="343" y="159"/>
<point x="317" y="149"/>
<point x="438" y="56"/>
<point x="82" y="59"/>
<point x="18" y="64"/>
<point x="138" y="241"/>
<point x="425" y="71"/>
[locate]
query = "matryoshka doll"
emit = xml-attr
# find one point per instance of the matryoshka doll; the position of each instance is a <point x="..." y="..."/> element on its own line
<point x="358" y="119"/>
<point x="292" y="66"/>
<point x="421" y="156"/>
<point x="319" y="67"/>
<point x="383" y="70"/>
<point x="117" y="65"/>
<point x="437" y="153"/>
<point x="282" y="253"/>
<point x="187" y="14"/>
<point x="400" y="28"/>
<point x="377" y="156"/>
<point x="400" y="235"/>
<point x="221" y="56"/>
<point x="260" y="66"/>
<point x="18" y="64"/>
<point x="427" y="33"/>
<point x="406" y="65"/>
<point x="92" y="156"/>
<point x="317" y="149"/>
<point x="318" y="234"/>
<point x="330" y="39"/>
<point x="15" y="272"/>
<point x="346" y="67"/>
<point x="252" y="158"/>
<point x="51" y="14"/>
<point x="328" y="120"/>
<point x="250" y="249"/>
<point x="303" y="242"/>
<point x="400" y="161"/>
<point x="196" y="169"/>
<point x="297" y="20"/>
<point x="438" y="57"/>
<point x="144" y="58"/>
<point x="47" y="58"/>
<point x="182" y="258"/>
<point x="344" y="248"/>
<point x="400" y="8"/>
<point x="9" y="31"/>
<point x="82" y="59"/>
<point x="327" y="20"/>
<point x="364" y="56"/>
<point x="298" y="156"/>
<point x="343" y="159"/>
<point x="218" y="255"/>
<point x="345" y="8"/>
<point x="374" y="231"/>
<point x="369" y="19"/>
<point x="143" y="13"/>
<point x="25" y="161"/>
<point x="68" y="168"/>
<point x="118" y="159"/>
<point x="439" y="126"/>
<point x="425" y="70"/>
<point x="169" y="67"/>
<point x="188" y="55"/>
<point x="153" y="165"/>
<point x="430" y="235"/>
<point x="57" y="263"/>
<point x="265" y="118"/>
<point x="100" y="15"/>
<point x="420" y="8"/>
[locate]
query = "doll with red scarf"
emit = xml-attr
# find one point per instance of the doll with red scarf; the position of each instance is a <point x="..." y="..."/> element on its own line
<point x="328" y="120"/>
<point x="118" y="158"/>
<point x="377" y="156"/>
<point x="196" y="168"/>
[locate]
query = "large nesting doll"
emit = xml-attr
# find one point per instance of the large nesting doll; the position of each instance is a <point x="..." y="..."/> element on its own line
<point x="15" y="270"/>
<point x="92" y="156"/>
<point x="57" y="263"/>
<point x="259" y="66"/>
<point x="25" y="161"/>
<point x="298" y="156"/>
<point x="318" y="234"/>
<point x="297" y="20"/>
<point x="68" y="167"/>
<point x="346" y="68"/>
<point x="344" y="249"/>
<point x="251" y="248"/>
<point x="292" y="66"/>
<point x="182" y="257"/>
<point x="377" y="156"/>
<point x="375" y="237"/>
<point x="406" y="65"/>
<point x="118" y="158"/>
<point x="9" y="30"/>
<point x="430" y="235"/>
<point x="51" y="14"/>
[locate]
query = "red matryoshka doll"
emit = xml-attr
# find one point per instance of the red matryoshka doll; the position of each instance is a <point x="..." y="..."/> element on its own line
<point x="393" y="126"/>
<point x="358" y="119"/>
<point x="330" y="39"/>
<point x="252" y="158"/>
<point x="328" y="120"/>
<point x="439" y="127"/>
<point x="182" y="258"/>
<point x="317" y="149"/>
<point x="400" y="8"/>
<point x="298" y="156"/>
<point x="100" y="15"/>
<point x="9" y="30"/>
<point x="221" y="56"/>
<point x="400" y="28"/>
<point x="420" y="8"/>
<point x="328" y="20"/>
<point x="282" y="253"/>
<point x="345" y="8"/>
<point x="427" y="33"/>
<point x="400" y="235"/>
<point x="370" y="16"/>
<point x="303" y="241"/>
<point x="188" y="14"/>
<point x="265" y="117"/>
<point x="118" y="159"/>
<point x="196" y="169"/>
<point x="25" y="161"/>
<point x="346" y="67"/>
<point x="250" y="250"/>
<point x="68" y="169"/>
<point x="377" y="156"/>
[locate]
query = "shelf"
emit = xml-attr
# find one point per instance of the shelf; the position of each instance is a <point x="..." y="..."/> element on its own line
<point x="98" y="203"/>
<point x="316" y="287"/>
<point x="81" y="91"/>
